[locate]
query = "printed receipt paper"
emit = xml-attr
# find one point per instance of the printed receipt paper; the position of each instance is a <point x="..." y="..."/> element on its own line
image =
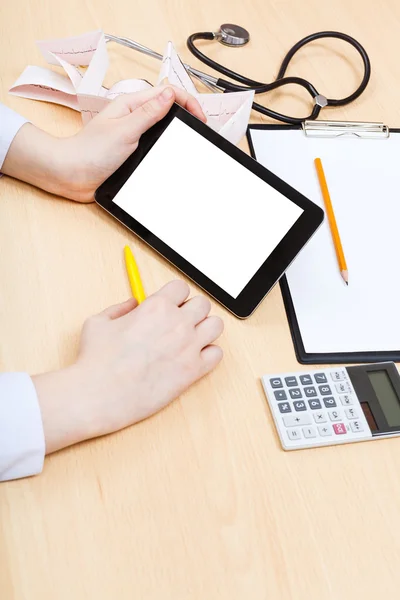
<point x="85" y="61"/>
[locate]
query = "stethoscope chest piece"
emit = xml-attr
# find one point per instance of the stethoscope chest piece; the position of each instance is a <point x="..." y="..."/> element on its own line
<point x="232" y="35"/>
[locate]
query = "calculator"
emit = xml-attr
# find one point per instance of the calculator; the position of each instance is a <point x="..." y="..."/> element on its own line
<point x="335" y="405"/>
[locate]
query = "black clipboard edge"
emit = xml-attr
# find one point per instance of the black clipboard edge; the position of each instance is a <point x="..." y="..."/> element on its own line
<point x="302" y="356"/>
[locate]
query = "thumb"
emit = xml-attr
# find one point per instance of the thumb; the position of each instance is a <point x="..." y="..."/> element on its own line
<point x="119" y="310"/>
<point x="149" y="113"/>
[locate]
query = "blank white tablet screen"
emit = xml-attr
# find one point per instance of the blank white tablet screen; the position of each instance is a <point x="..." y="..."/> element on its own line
<point x="211" y="210"/>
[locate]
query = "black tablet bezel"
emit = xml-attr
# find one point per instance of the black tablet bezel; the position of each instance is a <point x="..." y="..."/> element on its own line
<point x="277" y="262"/>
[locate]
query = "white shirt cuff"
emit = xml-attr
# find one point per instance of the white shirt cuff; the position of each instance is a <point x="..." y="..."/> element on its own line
<point x="22" y="443"/>
<point x="10" y="123"/>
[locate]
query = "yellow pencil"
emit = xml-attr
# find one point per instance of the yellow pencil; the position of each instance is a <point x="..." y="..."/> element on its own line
<point x="134" y="275"/>
<point x="332" y="221"/>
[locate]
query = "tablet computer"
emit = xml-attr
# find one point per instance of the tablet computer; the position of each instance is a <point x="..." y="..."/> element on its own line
<point x="221" y="218"/>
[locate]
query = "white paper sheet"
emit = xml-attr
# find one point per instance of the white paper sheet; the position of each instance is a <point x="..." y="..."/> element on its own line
<point x="173" y="71"/>
<point x="83" y="90"/>
<point x="364" y="183"/>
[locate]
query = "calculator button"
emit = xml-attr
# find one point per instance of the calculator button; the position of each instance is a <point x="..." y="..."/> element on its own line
<point x="296" y="420"/>
<point x="325" y="390"/>
<point x="339" y="428"/>
<point x="280" y="395"/>
<point x="314" y="404"/>
<point x="320" y="417"/>
<point x="284" y="407"/>
<point x="346" y="399"/>
<point x="299" y="405"/>
<point x="351" y="413"/>
<point x="329" y="402"/>
<point x="295" y="393"/>
<point x="276" y="382"/>
<point x="320" y="378"/>
<point x="343" y="387"/>
<point x="338" y="375"/>
<point x="325" y="430"/>
<point x="291" y="381"/>
<point x="310" y="391"/>
<point x="334" y="415"/>
<point x="294" y="434"/>
<point x="309" y="432"/>
<point x="356" y="426"/>
<point x="305" y="379"/>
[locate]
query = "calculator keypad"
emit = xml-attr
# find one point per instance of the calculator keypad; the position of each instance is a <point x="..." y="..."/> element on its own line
<point x="295" y="420"/>
<point x="320" y="378"/>
<point x="309" y="432"/>
<point x="320" y="417"/>
<point x="325" y="390"/>
<point x="325" y="431"/>
<point x="340" y="429"/>
<point x="310" y="391"/>
<point x="276" y="383"/>
<point x="329" y="402"/>
<point x="346" y="399"/>
<point x="314" y="404"/>
<point x="334" y="415"/>
<point x="299" y="405"/>
<point x="356" y="425"/>
<point x="351" y="413"/>
<point x="315" y="409"/>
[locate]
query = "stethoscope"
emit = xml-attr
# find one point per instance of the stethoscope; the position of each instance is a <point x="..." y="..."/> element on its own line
<point x="236" y="36"/>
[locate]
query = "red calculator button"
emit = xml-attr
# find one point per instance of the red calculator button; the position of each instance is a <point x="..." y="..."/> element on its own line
<point x="339" y="428"/>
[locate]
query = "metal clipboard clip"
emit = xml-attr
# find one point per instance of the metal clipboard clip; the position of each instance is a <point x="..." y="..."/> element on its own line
<point x="334" y="129"/>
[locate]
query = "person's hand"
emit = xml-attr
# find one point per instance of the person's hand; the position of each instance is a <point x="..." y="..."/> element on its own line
<point x="105" y="143"/>
<point x="133" y="361"/>
<point x="74" y="167"/>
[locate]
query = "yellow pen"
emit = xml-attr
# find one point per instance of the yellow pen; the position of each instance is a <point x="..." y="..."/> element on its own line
<point x="134" y="276"/>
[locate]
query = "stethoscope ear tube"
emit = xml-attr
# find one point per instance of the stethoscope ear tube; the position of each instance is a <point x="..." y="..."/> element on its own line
<point x="259" y="87"/>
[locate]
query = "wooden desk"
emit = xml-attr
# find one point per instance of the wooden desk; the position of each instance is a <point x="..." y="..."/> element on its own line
<point x="199" y="502"/>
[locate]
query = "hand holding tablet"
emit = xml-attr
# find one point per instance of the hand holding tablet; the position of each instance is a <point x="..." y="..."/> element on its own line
<point x="212" y="211"/>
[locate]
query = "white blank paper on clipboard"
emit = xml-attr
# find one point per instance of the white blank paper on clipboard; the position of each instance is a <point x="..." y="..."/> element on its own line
<point x="363" y="177"/>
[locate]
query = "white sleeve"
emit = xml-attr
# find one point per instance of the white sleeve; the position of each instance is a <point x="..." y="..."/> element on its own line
<point x="10" y="123"/>
<point x="22" y="444"/>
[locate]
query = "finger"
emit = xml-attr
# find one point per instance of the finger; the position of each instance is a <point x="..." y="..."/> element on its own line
<point x="209" y="330"/>
<point x="176" y="291"/>
<point x="196" y="309"/>
<point x="119" y="310"/>
<point x="127" y="103"/>
<point x="137" y="99"/>
<point x="190" y="103"/>
<point x="149" y="113"/>
<point x="210" y="356"/>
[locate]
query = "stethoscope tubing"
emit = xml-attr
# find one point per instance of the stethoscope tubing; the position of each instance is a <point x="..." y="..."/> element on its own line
<point x="245" y="83"/>
<point x="259" y="88"/>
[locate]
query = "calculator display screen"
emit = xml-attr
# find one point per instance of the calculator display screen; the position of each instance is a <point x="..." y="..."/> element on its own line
<point x="386" y="395"/>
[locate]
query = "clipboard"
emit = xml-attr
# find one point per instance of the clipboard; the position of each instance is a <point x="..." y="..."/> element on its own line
<point x="328" y="129"/>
